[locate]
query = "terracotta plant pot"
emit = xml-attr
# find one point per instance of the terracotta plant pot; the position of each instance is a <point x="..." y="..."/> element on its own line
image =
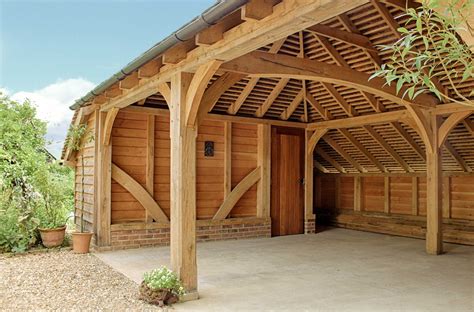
<point x="52" y="237"/>
<point x="81" y="242"/>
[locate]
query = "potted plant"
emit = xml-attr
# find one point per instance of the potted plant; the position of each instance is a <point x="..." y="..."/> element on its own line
<point x="161" y="287"/>
<point x="53" y="204"/>
<point x="78" y="134"/>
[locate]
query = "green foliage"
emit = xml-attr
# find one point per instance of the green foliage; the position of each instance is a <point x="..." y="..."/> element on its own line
<point x="431" y="48"/>
<point x="163" y="278"/>
<point x="55" y="185"/>
<point x="33" y="192"/>
<point x="17" y="225"/>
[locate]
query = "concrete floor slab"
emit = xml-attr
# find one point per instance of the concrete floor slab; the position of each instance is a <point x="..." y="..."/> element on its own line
<point x="335" y="270"/>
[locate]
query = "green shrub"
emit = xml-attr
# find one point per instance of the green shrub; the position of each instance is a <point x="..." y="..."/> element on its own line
<point x="33" y="190"/>
<point x="56" y="195"/>
<point x="163" y="278"/>
<point x="18" y="227"/>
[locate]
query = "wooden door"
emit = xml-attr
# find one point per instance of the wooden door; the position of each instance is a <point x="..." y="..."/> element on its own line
<point x="287" y="206"/>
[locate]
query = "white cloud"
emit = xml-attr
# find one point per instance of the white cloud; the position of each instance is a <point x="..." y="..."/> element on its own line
<point x="52" y="103"/>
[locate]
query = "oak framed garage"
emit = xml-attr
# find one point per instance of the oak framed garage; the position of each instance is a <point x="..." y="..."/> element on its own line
<point x="223" y="85"/>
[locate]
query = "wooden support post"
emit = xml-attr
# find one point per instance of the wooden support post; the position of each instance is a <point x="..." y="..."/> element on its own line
<point x="104" y="186"/>
<point x="227" y="158"/>
<point x="309" y="215"/>
<point x="357" y="193"/>
<point x="434" y="234"/>
<point x="414" y="196"/>
<point x="183" y="187"/>
<point x="386" y="208"/>
<point x="150" y="160"/>
<point x="264" y="162"/>
<point x="447" y="197"/>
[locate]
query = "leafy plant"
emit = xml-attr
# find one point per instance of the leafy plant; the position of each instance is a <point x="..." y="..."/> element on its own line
<point x="17" y="226"/>
<point x="77" y="135"/>
<point x="164" y="279"/>
<point x="430" y="48"/>
<point x="21" y="156"/>
<point x="33" y="191"/>
<point x="55" y="186"/>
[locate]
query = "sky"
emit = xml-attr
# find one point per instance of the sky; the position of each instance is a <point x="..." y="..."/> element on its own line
<point x="55" y="51"/>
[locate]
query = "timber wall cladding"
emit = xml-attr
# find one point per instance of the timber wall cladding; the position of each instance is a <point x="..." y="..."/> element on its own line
<point x="399" y="208"/>
<point x="458" y="195"/>
<point x="129" y="141"/>
<point x="87" y="150"/>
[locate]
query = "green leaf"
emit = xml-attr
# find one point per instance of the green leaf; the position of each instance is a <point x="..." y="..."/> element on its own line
<point x="419" y="25"/>
<point x="400" y="83"/>
<point x="402" y="30"/>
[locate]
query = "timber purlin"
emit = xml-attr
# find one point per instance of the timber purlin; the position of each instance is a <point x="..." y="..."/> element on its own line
<point x="136" y="235"/>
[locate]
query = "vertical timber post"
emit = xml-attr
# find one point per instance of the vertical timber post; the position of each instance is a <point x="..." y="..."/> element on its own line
<point x="104" y="186"/>
<point x="264" y="162"/>
<point x="183" y="187"/>
<point x="309" y="216"/>
<point x="434" y="235"/>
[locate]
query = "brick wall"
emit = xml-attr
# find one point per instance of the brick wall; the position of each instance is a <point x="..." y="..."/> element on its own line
<point x="309" y="226"/>
<point x="135" y="235"/>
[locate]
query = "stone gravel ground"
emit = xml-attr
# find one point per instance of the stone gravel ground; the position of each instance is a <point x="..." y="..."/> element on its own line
<point x="65" y="281"/>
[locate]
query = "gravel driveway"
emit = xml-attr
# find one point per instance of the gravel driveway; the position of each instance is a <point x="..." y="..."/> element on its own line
<point x="65" y="281"/>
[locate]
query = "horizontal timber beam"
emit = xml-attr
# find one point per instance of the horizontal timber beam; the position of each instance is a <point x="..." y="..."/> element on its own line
<point x="359" y="121"/>
<point x="263" y="64"/>
<point x="218" y="117"/>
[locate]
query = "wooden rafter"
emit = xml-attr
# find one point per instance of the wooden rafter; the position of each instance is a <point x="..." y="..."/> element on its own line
<point x="261" y="111"/>
<point x="343" y="153"/>
<point x="362" y="149"/>
<point x="234" y="107"/>
<point x="459" y="160"/>
<point x="408" y="138"/>
<point x="293" y="105"/>
<point x="330" y="160"/>
<point x="381" y="141"/>
<point x="214" y="91"/>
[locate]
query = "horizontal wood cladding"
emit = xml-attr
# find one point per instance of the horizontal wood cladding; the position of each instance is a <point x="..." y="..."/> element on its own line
<point x="129" y="152"/>
<point x="394" y="195"/>
<point x="87" y="151"/>
<point x="454" y="231"/>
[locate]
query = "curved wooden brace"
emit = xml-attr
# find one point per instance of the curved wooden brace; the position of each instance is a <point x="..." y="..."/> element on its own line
<point x="263" y="64"/>
<point x="165" y="91"/>
<point x="140" y="194"/>
<point x="234" y="196"/>
<point x="109" y="122"/>
<point x="214" y="92"/>
<point x="196" y="90"/>
<point x="422" y="124"/>
<point x="314" y="139"/>
<point x="449" y="124"/>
